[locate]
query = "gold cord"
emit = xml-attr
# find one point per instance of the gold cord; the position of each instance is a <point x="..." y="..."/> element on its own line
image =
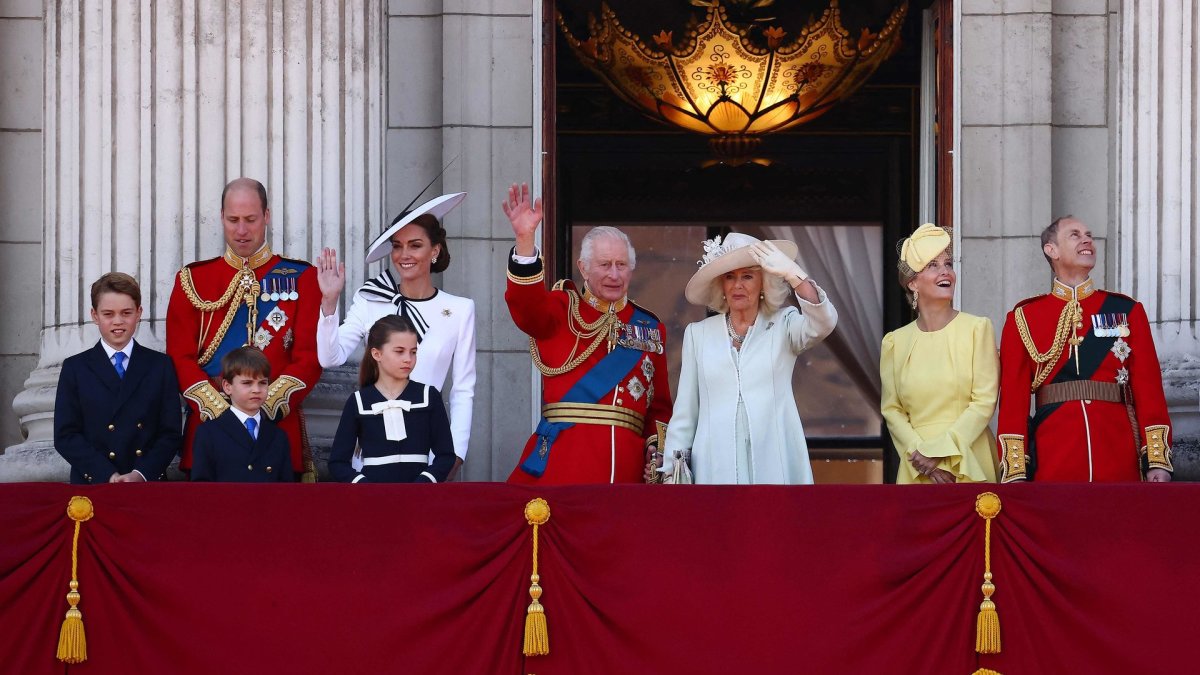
<point x="244" y="281"/>
<point x="1070" y="318"/>
<point x="597" y="331"/>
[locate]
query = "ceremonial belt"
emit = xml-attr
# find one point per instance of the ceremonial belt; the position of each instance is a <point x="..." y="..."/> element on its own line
<point x="594" y="413"/>
<point x="596" y="382"/>
<point x="1079" y="390"/>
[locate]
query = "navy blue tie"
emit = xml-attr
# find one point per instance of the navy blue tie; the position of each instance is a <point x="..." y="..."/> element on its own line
<point x="119" y="364"/>
<point x="252" y="427"/>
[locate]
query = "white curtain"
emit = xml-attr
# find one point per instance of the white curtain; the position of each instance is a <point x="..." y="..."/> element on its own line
<point x="846" y="260"/>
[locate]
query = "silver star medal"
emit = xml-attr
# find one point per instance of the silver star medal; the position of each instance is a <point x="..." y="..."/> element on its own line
<point x="277" y="318"/>
<point x="1120" y="349"/>
<point x="635" y="388"/>
<point x="648" y="369"/>
<point x="262" y="338"/>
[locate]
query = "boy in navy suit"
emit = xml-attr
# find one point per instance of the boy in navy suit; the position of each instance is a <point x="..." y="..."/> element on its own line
<point x="117" y="413"/>
<point x="242" y="445"/>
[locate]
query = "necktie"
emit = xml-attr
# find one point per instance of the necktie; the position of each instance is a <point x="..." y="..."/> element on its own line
<point x="119" y="364"/>
<point x="252" y="427"/>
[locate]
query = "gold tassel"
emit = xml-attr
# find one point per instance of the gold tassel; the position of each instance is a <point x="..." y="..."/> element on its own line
<point x="537" y="640"/>
<point x="72" y="641"/>
<point x="985" y="671"/>
<point x="987" y="624"/>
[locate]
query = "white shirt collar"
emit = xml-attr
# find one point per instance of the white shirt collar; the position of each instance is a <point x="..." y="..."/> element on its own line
<point x="242" y="417"/>
<point x="127" y="350"/>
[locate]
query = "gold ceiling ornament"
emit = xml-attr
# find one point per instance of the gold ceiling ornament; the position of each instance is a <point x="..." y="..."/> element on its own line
<point x="722" y="80"/>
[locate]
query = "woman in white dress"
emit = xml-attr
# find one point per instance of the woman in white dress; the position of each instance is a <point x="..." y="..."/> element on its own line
<point x="445" y="323"/>
<point x="734" y="407"/>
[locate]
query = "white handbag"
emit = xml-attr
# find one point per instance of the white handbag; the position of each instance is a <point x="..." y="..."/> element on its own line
<point x="681" y="473"/>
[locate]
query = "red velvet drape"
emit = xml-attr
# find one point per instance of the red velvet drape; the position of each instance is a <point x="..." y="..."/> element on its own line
<point x="182" y="578"/>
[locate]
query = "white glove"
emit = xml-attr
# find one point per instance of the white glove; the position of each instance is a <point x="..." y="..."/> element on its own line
<point x="774" y="262"/>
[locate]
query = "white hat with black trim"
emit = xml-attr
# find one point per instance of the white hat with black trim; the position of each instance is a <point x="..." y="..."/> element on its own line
<point x="437" y="207"/>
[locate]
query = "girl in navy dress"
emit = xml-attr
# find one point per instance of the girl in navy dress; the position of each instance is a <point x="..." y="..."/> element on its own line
<point x="394" y="421"/>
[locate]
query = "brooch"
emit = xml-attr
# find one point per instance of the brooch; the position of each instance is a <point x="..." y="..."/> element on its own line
<point x="446" y="312"/>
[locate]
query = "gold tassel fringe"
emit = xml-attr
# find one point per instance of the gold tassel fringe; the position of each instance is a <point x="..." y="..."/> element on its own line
<point x="72" y="641"/>
<point x="537" y="639"/>
<point x="987" y="624"/>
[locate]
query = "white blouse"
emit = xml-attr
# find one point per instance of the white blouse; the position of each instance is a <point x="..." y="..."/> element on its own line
<point x="446" y="326"/>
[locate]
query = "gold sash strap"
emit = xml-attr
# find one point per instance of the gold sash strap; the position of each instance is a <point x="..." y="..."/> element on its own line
<point x="594" y="413"/>
<point x="1079" y="390"/>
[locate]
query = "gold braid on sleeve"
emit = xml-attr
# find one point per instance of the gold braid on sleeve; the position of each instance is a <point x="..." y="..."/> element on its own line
<point x="1068" y="320"/>
<point x="245" y="282"/>
<point x="207" y="399"/>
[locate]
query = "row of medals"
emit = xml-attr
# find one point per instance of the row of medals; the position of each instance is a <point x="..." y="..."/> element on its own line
<point x="1110" y="325"/>
<point x="279" y="288"/>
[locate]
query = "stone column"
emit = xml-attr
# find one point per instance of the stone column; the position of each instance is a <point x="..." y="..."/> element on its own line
<point x="1158" y="188"/>
<point x="150" y="108"/>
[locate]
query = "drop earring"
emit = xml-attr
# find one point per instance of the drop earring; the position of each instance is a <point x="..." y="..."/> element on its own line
<point x="914" y="302"/>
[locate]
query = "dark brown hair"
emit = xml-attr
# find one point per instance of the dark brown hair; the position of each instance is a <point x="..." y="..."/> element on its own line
<point x="245" y="361"/>
<point x="116" y="282"/>
<point x="437" y="237"/>
<point x="377" y="337"/>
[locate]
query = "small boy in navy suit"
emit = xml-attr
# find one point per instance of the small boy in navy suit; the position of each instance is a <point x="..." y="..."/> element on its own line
<point x="117" y="413"/>
<point x="242" y="445"/>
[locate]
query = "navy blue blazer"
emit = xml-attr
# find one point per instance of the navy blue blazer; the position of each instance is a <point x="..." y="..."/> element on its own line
<point x="427" y="430"/>
<point x="224" y="451"/>
<point x="104" y="424"/>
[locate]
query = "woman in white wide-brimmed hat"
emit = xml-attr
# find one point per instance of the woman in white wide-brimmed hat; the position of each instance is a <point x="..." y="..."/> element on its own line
<point x="445" y="323"/>
<point x="939" y="374"/>
<point x="734" y="407"/>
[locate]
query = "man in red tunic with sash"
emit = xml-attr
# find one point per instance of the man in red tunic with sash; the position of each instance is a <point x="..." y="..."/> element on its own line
<point x="249" y="296"/>
<point x="604" y="373"/>
<point x="1088" y="359"/>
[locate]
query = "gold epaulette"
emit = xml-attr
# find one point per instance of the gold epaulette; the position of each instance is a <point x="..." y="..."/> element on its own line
<point x="276" y="405"/>
<point x="207" y="399"/>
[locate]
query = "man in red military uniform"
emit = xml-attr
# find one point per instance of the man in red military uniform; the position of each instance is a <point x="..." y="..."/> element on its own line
<point x="604" y="374"/>
<point x="249" y="296"/>
<point x="1088" y="358"/>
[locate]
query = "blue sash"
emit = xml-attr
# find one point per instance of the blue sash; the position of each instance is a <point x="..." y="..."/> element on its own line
<point x="597" y="382"/>
<point x="234" y="337"/>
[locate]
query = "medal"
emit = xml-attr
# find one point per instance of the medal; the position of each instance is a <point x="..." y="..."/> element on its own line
<point x="293" y="295"/>
<point x="274" y="289"/>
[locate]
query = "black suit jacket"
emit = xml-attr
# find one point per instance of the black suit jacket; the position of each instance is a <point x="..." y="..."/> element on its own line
<point x="224" y="451"/>
<point x="104" y="424"/>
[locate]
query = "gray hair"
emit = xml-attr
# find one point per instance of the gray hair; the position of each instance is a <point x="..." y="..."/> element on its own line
<point x="587" y="245"/>
<point x="775" y="293"/>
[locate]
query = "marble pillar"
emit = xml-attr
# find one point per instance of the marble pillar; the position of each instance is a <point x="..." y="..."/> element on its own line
<point x="1158" y="189"/>
<point x="150" y="107"/>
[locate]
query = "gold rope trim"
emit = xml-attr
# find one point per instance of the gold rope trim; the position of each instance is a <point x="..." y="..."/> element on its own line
<point x="1069" y="319"/>
<point x="987" y="624"/>
<point x="537" y="640"/>
<point x="598" y="331"/>
<point x="72" y="641"/>
<point x="243" y="280"/>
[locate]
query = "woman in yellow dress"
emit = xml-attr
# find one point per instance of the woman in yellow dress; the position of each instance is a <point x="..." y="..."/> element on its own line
<point x="940" y="373"/>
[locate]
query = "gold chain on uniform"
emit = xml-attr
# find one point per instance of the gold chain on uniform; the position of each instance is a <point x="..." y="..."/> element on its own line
<point x="244" y="280"/>
<point x="1070" y="318"/>
<point x="597" y="331"/>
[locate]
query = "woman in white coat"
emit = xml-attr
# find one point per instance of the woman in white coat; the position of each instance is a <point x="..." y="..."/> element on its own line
<point x="734" y="407"/>
<point x="416" y="244"/>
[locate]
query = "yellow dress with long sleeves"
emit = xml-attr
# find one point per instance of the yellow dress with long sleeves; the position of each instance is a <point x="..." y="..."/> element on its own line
<point x="939" y="393"/>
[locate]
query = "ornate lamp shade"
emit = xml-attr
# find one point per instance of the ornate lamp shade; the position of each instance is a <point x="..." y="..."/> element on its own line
<point x="723" y="81"/>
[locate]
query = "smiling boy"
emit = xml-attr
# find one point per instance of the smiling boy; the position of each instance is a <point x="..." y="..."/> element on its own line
<point x="117" y="412"/>
<point x="243" y="445"/>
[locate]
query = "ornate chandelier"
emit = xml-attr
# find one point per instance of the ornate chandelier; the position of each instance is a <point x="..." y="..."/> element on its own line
<point x="726" y="82"/>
